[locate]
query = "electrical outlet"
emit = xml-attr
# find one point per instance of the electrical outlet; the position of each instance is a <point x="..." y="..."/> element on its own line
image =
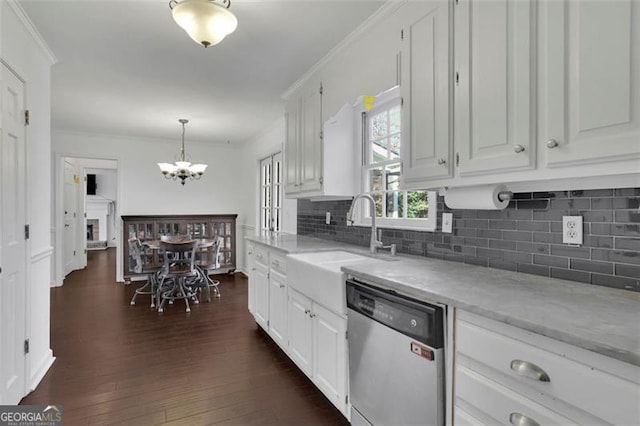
<point x="348" y="221"/>
<point x="447" y="222"/>
<point x="572" y="229"/>
<point x="327" y="218"/>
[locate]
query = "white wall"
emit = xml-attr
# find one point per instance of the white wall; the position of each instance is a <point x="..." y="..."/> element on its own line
<point x="24" y="52"/>
<point x="141" y="187"/>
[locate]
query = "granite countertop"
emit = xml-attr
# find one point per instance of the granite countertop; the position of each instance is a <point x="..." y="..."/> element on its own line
<point x="599" y="319"/>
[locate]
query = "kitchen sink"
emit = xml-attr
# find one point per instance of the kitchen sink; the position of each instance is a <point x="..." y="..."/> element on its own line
<point x="318" y="276"/>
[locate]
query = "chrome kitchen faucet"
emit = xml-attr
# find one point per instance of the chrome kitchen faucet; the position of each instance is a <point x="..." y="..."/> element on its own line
<point x="374" y="243"/>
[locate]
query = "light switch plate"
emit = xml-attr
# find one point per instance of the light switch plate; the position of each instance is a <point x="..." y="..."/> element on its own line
<point x="572" y="229"/>
<point x="447" y="222"/>
<point x="327" y="218"/>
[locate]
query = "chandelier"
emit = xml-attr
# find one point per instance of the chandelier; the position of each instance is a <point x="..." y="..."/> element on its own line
<point x="182" y="169"/>
<point x="207" y="22"/>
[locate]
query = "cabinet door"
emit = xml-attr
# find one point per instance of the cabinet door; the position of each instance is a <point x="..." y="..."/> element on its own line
<point x="311" y="158"/>
<point x="494" y="100"/>
<point x="590" y="97"/>
<point x="425" y="94"/>
<point x="278" y="307"/>
<point x="251" y="287"/>
<point x="299" y="331"/>
<point x="330" y="355"/>
<point x="292" y="149"/>
<point x="261" y="286"/>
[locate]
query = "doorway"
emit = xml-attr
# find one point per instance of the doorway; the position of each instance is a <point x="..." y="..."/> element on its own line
<point x="87" y="215"/>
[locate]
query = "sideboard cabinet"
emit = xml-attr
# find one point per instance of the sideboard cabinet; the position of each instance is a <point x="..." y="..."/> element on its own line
<point x="152" y="227"/>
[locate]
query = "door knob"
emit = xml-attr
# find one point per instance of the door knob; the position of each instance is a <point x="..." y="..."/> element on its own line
<point x="518" y="149"/>
<point x="552" y="143"/>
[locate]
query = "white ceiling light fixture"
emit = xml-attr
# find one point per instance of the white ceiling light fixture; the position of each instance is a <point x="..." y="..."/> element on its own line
<point x="182" y="169"/>
<point x="207" y="22"/>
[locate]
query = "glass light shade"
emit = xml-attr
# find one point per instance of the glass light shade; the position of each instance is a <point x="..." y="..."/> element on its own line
<point x="167" y="168"/>
<point x="206" y="22"/>
<point x="198" y="168"/>
<point x="182" y="165"/>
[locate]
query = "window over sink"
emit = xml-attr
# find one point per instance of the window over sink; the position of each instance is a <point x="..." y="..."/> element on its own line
<point x="380" y="131"/>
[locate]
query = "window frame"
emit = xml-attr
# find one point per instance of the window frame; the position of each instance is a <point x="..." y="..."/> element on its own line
<point x="385" y="100"/>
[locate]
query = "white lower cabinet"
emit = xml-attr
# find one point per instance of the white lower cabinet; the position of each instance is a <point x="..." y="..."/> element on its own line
<point x="268" y="291"/>
<point x="318" y="345"/>
<point x="251" y="289"/>
<point x="329" y="354"/>
<point x="300" y="331"/>
<point x="278" y="307"/>
<point x="260" y="277"/>
<point x="504" y="375"/>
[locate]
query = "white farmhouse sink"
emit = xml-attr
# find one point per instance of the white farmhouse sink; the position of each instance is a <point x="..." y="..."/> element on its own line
<point x="318" y="276"/>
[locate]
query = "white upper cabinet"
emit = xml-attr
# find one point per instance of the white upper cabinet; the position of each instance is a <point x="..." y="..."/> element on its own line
<point x="292" y="148"/>
<point x="319" y="155"/>
<point x="590" y="81"/>
<point x="311" y="140"/>
<point x="425" y="90"/>
<point x="494" y="90"/>
<point x="304" y="142"/>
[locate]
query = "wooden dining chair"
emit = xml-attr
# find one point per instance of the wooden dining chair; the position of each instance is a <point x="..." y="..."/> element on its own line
<point x="141" y="263"/>
<point x="178" y="270"/>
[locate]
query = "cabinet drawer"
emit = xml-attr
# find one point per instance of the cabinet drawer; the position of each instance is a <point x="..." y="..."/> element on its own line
<point x="544" y="367"/>
<point x="278" y="263"/>
<point x="261" y="254"/>
<point x="500" y="404"/>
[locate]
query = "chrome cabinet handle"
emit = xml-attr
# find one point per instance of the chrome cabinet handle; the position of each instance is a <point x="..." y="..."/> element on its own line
<point x="529" y="370"/>
<point x="518" y="149"/>
<point x="552" y="143"/>
<point x="281" y="285"/>
<point x="307" y="311"/>
<point x="259" y="256"/>
<point x="441" y="161"/>
<point x="517" y="419"/>
<point x="275" y="263"/>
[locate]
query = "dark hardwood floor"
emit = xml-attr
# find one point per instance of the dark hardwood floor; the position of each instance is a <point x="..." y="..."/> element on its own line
<point x="122" y="364"/>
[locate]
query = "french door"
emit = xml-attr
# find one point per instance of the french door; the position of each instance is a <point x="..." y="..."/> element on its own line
<point x="271" y="193"/>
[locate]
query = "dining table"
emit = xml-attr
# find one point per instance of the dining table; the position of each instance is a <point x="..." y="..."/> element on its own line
<point x="205" y="259"/>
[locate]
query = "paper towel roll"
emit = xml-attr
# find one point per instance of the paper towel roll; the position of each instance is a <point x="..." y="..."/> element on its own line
<point x="476" y="198"/>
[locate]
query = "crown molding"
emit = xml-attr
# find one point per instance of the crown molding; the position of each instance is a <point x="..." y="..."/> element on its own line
<point x="383" y="12"/>
<point x="32" y="30"/>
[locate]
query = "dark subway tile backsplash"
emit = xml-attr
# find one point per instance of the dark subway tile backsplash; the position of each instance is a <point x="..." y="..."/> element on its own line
<point x="525" y="237"/>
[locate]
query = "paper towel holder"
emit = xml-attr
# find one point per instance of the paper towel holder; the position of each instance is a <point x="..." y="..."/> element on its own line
<point x="502" y="195"/>
<point x="505" y="195"/>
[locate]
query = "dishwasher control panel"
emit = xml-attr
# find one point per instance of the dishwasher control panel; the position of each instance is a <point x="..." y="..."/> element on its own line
<point x="417" y="319"/>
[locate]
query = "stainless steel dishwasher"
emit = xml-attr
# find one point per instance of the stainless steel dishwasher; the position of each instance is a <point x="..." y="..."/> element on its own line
<point x="396" y="358"/>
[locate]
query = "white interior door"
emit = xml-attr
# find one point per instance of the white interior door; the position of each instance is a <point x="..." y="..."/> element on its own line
<point x="13" y="247"/>
<point x="70" y="215"/>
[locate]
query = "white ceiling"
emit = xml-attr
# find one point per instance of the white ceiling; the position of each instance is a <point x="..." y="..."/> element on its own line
<point x="125" y="68"/>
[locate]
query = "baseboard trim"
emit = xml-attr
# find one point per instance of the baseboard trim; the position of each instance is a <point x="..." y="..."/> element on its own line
<point x="45" y="365"/>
